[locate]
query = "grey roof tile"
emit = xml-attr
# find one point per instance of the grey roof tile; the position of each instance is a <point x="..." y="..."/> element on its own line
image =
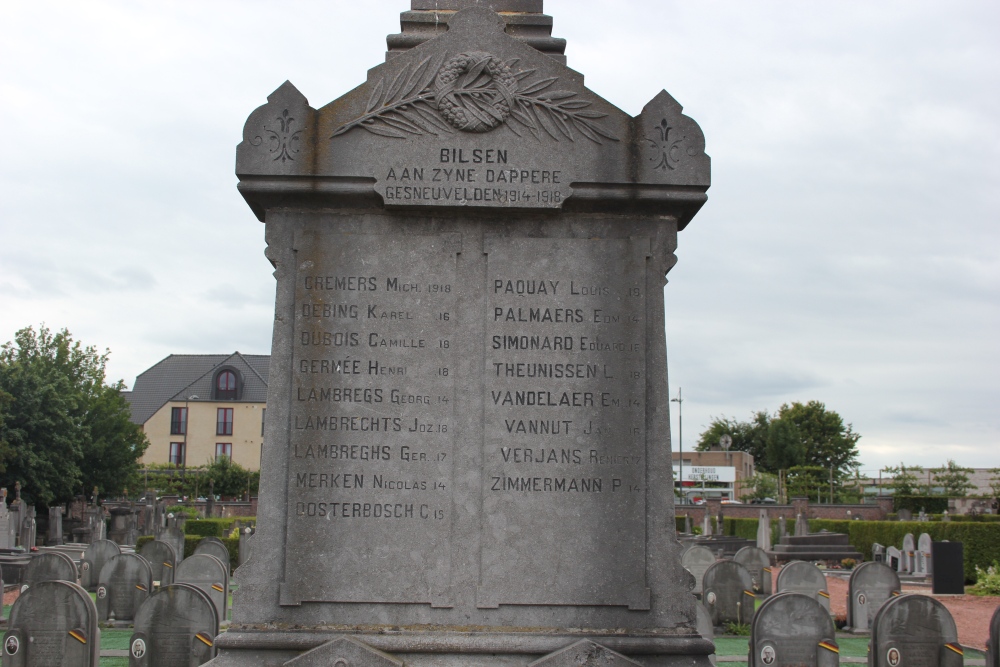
<point x="181" y="376"/>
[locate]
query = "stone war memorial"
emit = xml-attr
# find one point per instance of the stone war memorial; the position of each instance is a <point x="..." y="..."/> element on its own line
<point x="467" y="456"/>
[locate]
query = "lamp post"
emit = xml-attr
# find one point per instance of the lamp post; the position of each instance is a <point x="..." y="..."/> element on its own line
<point x="680" y="436"/>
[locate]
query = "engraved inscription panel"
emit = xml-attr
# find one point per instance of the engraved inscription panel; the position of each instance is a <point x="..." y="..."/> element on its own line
<point x="372" y="429"/>
<point x="564" y="425"/>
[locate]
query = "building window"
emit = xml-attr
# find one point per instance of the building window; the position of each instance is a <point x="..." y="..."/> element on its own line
<point x="177" y="453"/>
<point x="225" y="386"/>
<point x="178" y="421"/>
<point x="224" y="421"/>
<point x="224" y="449"/>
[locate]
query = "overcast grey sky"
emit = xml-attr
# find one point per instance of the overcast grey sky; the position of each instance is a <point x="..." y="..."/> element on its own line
<point x="849" y="251"/>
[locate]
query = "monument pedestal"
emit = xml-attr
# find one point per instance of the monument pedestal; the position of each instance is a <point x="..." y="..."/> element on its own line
<point x="467" y="455"/>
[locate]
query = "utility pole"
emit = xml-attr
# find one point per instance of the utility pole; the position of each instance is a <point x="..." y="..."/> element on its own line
<point x="680" y="436"/>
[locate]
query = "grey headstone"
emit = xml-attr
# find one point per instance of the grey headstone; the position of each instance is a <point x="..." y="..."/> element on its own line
<point x="174" y="537"/>
<point x="697" y="560"/>
<point x="908" y="553"/>
<point x="456" y="459"/>
<point x="993" y="644"/>
<point x="782" y="526"/>
<point x="162" y="560"/>
<point x="210" y="575"/>
<point x="176" y="627"/>
<point x="870" y="586"/>
<point x="922" y="516"/>
<point x="904" y="515"/>
<point x="688" y="528"/>
<point x="706" y="525"/>
<point x="764" y="531"/>
<point x="49" y="566"/>
<point x="758" y="564"/>
<point x="29" y="528"/>
<point x="923" y="555"/>
<point x="703" y="624"/>
<point x="894" y="558"/>
<point x="55" y="536"/>
<point x="805" y="578"/>
<point x="878" y="553"/>
<point x="801" y="526"/>
<point x="14" y="525"/>
<point x="584" y="652"/>
<point x="344" y="651"/>
<point x="53" y="623"/>
<point x="94" y="558"/>
<point x="914" y="630"/>
<point x="214" y="547"/>
<point x="5" y="537"/>
<point x="792" y="629"/>
<point x="126" y="582"/>
<point x="245" y="538"/>
<point x="727" y="593"/>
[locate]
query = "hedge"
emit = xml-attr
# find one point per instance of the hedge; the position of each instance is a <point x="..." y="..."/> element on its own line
<point x="929" y="504"/>
<point x="209" y="527"/>
<point x="191" y="541"/>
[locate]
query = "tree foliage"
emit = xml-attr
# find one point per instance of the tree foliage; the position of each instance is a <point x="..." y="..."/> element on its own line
<point x="954" y="478"/>
<point x="995" y="482"/>
<point x="905" y="481"/>
<point x="799" y="434"/>
<point x="63" y="429"/>
<point x="760" y="486"/>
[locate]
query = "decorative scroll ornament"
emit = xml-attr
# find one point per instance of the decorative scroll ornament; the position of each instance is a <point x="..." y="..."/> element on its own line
<point x="475" y="92"/>
<point x="284" y="142"/>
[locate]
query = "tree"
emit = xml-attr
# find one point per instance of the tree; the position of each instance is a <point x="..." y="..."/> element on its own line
<point x="800" y="434"/>
<point x="954" y="479"/>
<point x="750" y="437"/>
<point x="904" y="479"/>
<point x="760" y="486"/>
<point x="230" y="478"/>
<point x="65" y="429"/>
<point x="807" y="481"/>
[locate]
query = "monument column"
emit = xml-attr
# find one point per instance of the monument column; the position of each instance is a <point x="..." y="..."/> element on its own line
<point x="468" y="450"/>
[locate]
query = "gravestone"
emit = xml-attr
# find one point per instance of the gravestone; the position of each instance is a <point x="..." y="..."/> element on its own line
<point x="443" y="452"/>
<point x="29" y="528"/>
<point x="764" y="532"/>
<point x="923" y="555"/>
<point x="949" y="568"/>
<point x="758" y="564"/>
<point x="94" y="559"/>
<point x="706" y="525"/>
<point x="688" y="528"/>
<point x="16" y="513"/>
<point x="909" y="554"/>
<point x="805" y="578"/>
<point x="53" y="623"/>
<point x="782" y="527"/>
<point x="801" y="526"/>
<point x="914" y="630"/>
<point x="878" y="553"/>
<point x="174" y="537"/>
<point x="697" y="560"/>
<point x="214" y="547"/>
<point x="49" y="566"/>
<point x="870" y="585"/>
<point x="993" y="644"/>
<point x="162" y="561"/>
<point x="244" y="548"/>
<point x="904" y="515"/>
<point x="210" y="575"/>
<point x="894" y="558"/>
<point x="922" y="516"/>
<point x="727" y="593"/>
<point x="126" y="581"/>
<point x="210" y="500"/>
<point x="5" y="537"/>
<point x="55" y="536"/>
<point x="174" y="628"/>
<point x="791" y="629"/>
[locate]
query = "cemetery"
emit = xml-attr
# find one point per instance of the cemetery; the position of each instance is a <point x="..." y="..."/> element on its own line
<point x="476" y="473"/>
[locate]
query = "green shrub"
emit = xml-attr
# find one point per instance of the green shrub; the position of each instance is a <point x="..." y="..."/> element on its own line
<point x="738" y="629"/>
<point x="190" y="512"/>
<point x="988" y="580"/>
<point x="209" y="527"/>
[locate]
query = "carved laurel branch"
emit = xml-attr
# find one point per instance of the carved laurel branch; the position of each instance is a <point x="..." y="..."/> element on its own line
<point x="409" y="105"/>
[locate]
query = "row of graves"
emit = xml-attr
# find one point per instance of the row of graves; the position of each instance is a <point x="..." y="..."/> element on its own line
<point x="174" y="604"/>
<point x="794" y="626"/>
<point x="921" y="559"/>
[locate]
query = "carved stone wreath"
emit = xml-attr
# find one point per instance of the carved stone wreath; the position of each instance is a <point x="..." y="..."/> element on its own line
<point x="475" y="92"/>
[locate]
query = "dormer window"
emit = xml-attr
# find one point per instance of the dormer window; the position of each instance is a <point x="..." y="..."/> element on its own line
<point x="226" y="386"/>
